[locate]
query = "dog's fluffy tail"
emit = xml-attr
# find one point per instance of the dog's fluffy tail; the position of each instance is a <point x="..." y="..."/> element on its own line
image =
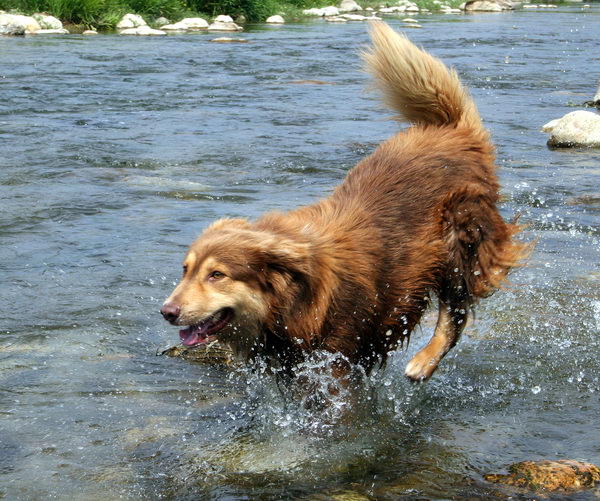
<point x="419" y="87"/>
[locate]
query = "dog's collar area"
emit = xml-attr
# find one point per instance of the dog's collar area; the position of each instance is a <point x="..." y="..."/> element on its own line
<point x="206" y="330"/>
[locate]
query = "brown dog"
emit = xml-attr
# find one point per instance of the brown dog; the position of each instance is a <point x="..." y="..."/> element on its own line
<point x="353" y="273"/>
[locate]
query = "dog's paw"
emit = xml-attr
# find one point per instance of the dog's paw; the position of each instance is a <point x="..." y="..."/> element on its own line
<point x="421" y="367"/>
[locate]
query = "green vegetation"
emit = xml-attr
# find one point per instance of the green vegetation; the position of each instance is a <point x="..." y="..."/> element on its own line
<point x="106" y="13"/>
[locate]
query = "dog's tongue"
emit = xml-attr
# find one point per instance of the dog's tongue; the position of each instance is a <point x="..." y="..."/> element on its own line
<point x="193" y="335"/>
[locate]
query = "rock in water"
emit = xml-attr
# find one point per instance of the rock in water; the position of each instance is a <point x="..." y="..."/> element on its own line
<point x="142" y="31"/>
<point x="578" y="128"/>
<point x="187" y="24"/>
<point x="561" y="475"/>
<point x="275" y="20"/>
<point x="224" y="23"/>
<point x="488" y="5"/>
<point x="12" y="30"/>
<point x="210" y="354"/>
<point x="48" y="22"/>
<point x="349" y="6"/>
<point x="131" y="21"/>
<point x="325" y="11"/>
<point x="27" y="23"/>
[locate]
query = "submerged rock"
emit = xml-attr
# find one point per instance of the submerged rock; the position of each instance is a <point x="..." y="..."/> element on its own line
<point x="211" y="353"/>
<point x="131" y="21"/>
<point x="578" y="128"/>
<point x="229" y="40"/>
<point x="596" y="101"/>
<point x="561" y="475"/>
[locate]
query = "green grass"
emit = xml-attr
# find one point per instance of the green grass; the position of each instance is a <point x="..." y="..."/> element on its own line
<point x="107" y="13"/>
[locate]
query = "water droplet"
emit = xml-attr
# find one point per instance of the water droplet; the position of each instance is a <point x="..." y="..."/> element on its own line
<point x="535" y="390"/>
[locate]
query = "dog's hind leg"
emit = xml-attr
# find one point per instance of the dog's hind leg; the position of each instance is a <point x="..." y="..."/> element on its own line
<point x="451" y="322"/>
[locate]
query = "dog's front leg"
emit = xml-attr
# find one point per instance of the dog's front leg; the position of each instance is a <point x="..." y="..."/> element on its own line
<point x="451" y="322"/>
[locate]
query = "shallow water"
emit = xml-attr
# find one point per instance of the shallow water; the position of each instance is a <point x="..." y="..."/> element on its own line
<point x="116" y="152"/>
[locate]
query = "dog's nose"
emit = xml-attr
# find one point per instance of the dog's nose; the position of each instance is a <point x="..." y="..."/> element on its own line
<point x="170" y="311"/>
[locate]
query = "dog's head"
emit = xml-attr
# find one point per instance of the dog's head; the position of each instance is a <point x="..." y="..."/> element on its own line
<point x="234" y="279"/>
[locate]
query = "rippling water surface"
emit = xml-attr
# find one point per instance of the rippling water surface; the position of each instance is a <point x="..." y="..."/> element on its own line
<point x="116" y="152"/>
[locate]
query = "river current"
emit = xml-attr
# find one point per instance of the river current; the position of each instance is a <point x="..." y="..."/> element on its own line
<point x="116" y="152"/>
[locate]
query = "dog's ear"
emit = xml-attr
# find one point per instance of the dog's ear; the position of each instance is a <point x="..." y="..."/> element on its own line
<point x="288" y="257"/>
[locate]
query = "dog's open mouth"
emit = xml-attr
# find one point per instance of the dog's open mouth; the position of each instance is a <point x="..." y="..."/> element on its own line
<point x="206" y="330"/>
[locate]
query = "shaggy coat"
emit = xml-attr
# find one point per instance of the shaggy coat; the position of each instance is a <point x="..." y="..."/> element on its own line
<point x="353" y="273"/>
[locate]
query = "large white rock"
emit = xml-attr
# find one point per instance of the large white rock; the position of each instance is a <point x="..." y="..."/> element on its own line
<point x="325" y="11"/>
<point x="28" y="23"/>
<point x="142" y="31"/>
<point x="223" y="19"/>
<point x="275" y="20"/>
<point x="224" y="26"/>
<point x="578" y="128"/>
<point x="187" y="24"/>
<point x="349" y="6"/>
<point x="48" y="22"/>
<point x="131" y="21"/>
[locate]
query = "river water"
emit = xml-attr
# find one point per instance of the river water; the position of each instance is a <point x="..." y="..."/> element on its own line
<point x="116" y="152"/>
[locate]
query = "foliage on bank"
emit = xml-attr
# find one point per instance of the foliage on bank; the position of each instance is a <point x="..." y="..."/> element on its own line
<point x="106" y="13"/>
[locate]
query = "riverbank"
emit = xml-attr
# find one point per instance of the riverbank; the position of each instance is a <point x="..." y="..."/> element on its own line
<point x="104" y="16"/>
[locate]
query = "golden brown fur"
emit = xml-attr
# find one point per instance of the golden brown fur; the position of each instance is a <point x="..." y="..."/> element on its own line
<point x="354" y="272"/>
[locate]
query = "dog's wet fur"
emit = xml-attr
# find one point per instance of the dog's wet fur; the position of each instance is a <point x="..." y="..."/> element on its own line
<point x="353" y="273"/>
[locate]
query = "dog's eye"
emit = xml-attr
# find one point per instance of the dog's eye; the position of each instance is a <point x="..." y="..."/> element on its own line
<point x="185" y="268"/>
<point x="216" y="275"/>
